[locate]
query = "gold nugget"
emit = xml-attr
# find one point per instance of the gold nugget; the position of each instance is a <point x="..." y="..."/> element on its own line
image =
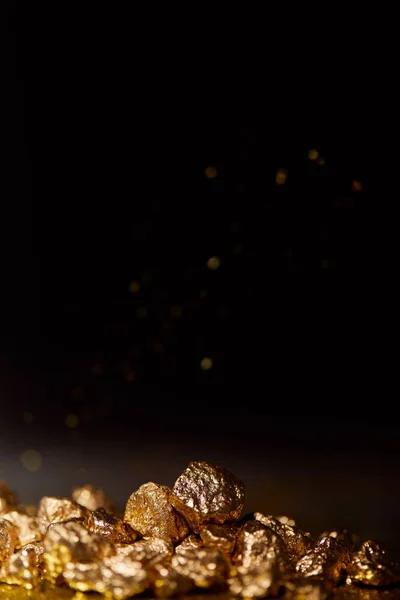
<point x="206" y="567"/>
<point x="71" y="542"/>
<point x="372" y="566"/>
<point x="21" y="569"/>
<point x="328" y="558"/>
<point x="56" y="510"/>
<point x="205" y="493"/>
<point x="221" y="537"/>
<point x="254" y="582"/>
<point x="149" y="511"/>
<point x="297" y="542"/>
<point x="28" y="528"/>
<point x="147" y="552"/>
<point x="91" y="497"/>
<point x="307" y="588"/>
<point x="167" y="582"/>
<point x="8" y="540"/>
<point x="192" y="542"/>
<point x="116" y="577"/>
<point x="111" y="527"/>
<point x="8" y="499"/>
<point x="257" y="545"/>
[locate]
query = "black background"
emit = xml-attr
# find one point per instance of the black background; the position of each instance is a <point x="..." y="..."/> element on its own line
<point x="103" y="184"/>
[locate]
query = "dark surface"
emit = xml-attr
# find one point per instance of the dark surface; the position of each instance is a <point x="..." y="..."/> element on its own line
<point x="103" y="185"/>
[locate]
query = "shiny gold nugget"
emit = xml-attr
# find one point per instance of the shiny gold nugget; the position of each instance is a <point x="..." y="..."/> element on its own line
<point x="257" y="545"/>
<point x="221" y="537"/>
<point x="328" y="558"/>
<point x="149" y="511"/>
<point x="254" y="582"/>
<point x="71" y="542"/>
<point x="205" y="493"/>
<point x="8" y="540"/>
<point x="149" y="551"/>
<point x="297" y="542"/>
<point x="56" y="510"/>
<point x="91" y="497"/>
<point x="206" y="567"/>
<point x="307" y="588"/>
<point x="28" y="528"/>
<point x="192" y="542"/>
<point x="167" y="582"/>
<point x="21" y="569"/>
<point x="111" y="527"/>
<point x="372" y="566"/>
<point x="116" y="577"/>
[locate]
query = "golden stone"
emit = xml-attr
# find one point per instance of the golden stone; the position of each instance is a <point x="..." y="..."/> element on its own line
<point x="150" y="551"/>
<point x="307" y="588"/>
<point x="372" y="566"/>
<point x="72" y="542"/>
<point x="259" y="545"/>
<point x="192" y="542"/>
<point x="116" y="577"/>
<point x="255" y="581"/>
<point x="167" y="582"/>
<point x="149" y="511"/>
<point x="328" y="558"/>
<point x="56" y="510"/>
<point x="221" y="537"/>
<point x="21" y="569"/>
<point x="8" y="540"/>
<point x="297" y="542"/>
<point x="206" y="493"/>
<point x="28" y="528"/>
<point x="91" y="497"/>
<point x="206" y="567"/>
<point x="111" y="527"/>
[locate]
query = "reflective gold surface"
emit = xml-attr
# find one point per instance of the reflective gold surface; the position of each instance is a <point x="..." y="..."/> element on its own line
<point x="8" y="540"/>
<point x="206" y="493"/>
<point x="328" y="558"/>
<point x="91" y="497"/>
<point x="371" y="565"/>
<point x="55" y="510"/>
<point x="27" y="526"/>
<point x="111" y="527"/>
<point x="297" y="542"/>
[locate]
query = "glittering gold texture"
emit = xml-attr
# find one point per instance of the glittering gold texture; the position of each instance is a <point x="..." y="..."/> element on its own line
<point x="91" y="498"/>
<point x="111" y="527"/>
<point x="21" y="569"/>
<point x="206" y="567"/>
<point x="56" y="510"/>
<point x="372" y="566"/>
<point x="257" y="545"/>
<point x="149" y="551"/>
<point x="221" y="537"/>
<point x="297" y="542"/>
<point x="307" y="588"/>
<point x="71" y="542"/>
<point x="254" y="582"/>
<point x="8" y="540"/>
<point x="149" y="511"/>
<point x="28" y="528"/>
<point x="328" y="558"/>
<point x="167" y="582"/>
<point x="116" y="577"/>
<point x="206" y="493"/>
<point x="192" y="542"/>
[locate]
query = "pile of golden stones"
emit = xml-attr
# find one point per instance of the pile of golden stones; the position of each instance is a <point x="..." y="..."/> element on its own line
<point x="172" y="542"/>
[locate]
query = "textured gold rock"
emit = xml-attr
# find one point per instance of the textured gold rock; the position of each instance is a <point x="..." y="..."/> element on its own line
<point x="372" y="566"/>
<point x="297" y="542"/>
<point x="192" y="542"/>
<point x="150" y="512"/>
<point x="166" y="581"/>
<point x="346" y="592"/>
<point x="148" y="551"/>
<point x="206" y="567"/>
<point x="71" y="542"/>
<point x="259" y="545"/>
<point x="221" y="537"/>
<point x="328" y="558"/>
<point x="28" y="528"/>
<point x="307" y="588"/>
<point x="255" y="581"/>
<point x="56" y="510"/>
<point x="116" y="577"/>
<point x="21" y="569"/>
<point x="8" y="540"/>
<point x="111" y="527"/>
<point x="8" y="499"/>
<point x="206" y="493"/>
<point x="91" y="497"/>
